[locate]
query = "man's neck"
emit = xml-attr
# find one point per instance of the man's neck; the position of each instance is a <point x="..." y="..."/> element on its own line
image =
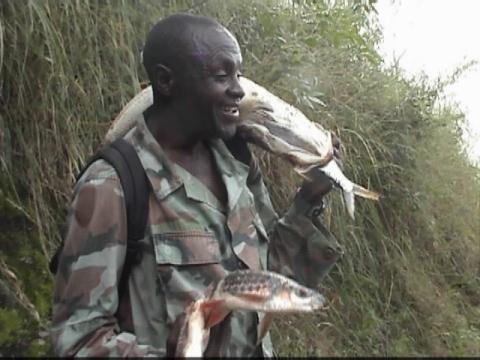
<point x="190" y="153"/>
<point x="167" y="129"/>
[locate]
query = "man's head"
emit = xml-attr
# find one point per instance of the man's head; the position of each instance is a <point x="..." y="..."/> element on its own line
<point x="193" y="63"/>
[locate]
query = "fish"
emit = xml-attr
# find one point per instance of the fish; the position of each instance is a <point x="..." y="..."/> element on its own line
<point x="194" y="335"/>
<point x="274" y="125"/>
<point x="247" y="290"/>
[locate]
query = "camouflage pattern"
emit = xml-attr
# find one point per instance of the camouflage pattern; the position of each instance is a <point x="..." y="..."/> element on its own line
<point x="190" y="242"/>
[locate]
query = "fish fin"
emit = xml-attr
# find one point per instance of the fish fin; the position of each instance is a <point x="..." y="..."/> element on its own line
<point x="215" y="312"/>
<point x="303" y="172"/>
<point x="349" y="198"/>
<point x="358" y="190"/>
<point x="365" y="193"/>
<point x="144" y="84"/>
<point x="209" y="304"/>
<point x="263" y="327"/>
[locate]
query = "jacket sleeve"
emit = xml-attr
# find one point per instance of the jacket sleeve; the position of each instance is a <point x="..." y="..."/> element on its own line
<point x="299" y="245"/>
<point x="85" y="297"/>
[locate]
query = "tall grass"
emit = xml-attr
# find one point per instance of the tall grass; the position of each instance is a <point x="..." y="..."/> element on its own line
<point x="409" y="281"/>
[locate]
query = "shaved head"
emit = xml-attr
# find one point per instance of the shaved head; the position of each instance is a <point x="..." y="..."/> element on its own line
<point x="194" y="64"/>
<point x="175" y="42"/>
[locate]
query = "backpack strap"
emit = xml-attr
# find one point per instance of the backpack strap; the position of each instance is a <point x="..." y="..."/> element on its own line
<point x="239" y="149"/>
<point x="136" y="188"/>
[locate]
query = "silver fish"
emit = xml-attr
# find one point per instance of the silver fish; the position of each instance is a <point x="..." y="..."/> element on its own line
<point x="246" y="290"/>
<point x="265" y="291"/>
<point x="274" y="125"/>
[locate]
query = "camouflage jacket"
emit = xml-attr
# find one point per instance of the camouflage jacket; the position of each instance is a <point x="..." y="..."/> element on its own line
<point x="190" y="242"/>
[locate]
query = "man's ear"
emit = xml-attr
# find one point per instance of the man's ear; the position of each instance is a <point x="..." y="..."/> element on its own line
<point x="163" y="79"/>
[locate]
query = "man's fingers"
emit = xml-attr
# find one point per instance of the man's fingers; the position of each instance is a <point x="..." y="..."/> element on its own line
<point x="336" y="152"/>
<point x="336" y="141"/>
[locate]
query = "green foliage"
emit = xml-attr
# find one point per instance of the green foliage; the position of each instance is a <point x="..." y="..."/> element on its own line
<point x="409" y="283"/>
<point x="10" y="328"/>
<point x="17" y="336"/>
<point x="21" y="254"/>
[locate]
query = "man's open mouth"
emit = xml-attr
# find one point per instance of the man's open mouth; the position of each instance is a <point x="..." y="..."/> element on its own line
<point x="231" y="110"/>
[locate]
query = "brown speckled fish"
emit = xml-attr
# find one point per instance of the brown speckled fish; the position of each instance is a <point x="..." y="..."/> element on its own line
<point x="245" y="290"/>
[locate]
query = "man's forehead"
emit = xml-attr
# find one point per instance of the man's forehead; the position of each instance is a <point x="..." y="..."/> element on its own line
<point x="208" y="42"/>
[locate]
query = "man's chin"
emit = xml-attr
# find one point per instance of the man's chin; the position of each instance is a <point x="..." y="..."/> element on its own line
<point x="227" y="132"/>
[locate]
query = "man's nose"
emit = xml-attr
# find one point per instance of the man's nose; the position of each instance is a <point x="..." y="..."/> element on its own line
<point x="236" y="90"/>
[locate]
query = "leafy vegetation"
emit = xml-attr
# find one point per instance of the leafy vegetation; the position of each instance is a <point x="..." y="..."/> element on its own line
<point x="409" y="283"/>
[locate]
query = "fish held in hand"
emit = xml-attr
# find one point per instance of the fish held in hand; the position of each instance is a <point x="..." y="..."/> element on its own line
<point x="282" y="129"/>
<point x="274" y="125"/>
<point x="246" y="290"/>
<point x="265" y="291"/>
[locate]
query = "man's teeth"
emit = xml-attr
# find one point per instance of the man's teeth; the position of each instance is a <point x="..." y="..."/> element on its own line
<point x="231" y="109"/>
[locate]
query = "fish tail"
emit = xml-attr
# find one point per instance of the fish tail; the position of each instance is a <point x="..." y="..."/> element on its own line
<point x="365" y="193"/>
<point x="349" y="197"/>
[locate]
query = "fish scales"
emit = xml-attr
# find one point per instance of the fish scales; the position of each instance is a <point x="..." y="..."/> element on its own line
<point x="248" y="283"/>
<point x="266" y="291"/>
<point x="246" y="290"/>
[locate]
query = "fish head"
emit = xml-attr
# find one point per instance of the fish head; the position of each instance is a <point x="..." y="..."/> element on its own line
<point x="250" y="106"/>
<point x="253" y="110"/>
<point x="293" y="297"/>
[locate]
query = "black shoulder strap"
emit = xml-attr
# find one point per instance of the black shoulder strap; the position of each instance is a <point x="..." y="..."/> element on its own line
<point x="123" y="157"/>
<point x="239" y="149"/>
<point x="136" y="188"/>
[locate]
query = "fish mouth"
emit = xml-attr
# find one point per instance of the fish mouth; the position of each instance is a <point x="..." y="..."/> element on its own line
<point x="318" y="302"/>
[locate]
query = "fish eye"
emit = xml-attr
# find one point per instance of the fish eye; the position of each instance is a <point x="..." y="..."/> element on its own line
<point x="301" y="292"/>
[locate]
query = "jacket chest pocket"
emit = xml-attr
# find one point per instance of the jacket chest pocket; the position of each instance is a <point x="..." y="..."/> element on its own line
<point x="187" y="263"/>
<point x="189" y="247"/>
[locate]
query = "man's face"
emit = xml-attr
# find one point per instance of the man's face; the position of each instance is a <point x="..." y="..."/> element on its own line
<point x="208" y="90"/>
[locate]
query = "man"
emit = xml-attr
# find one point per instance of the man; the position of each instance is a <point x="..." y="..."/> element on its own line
<point x="209" y="212"/>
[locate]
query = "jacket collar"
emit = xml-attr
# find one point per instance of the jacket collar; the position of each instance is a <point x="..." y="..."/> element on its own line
<point x="165" y="178"/>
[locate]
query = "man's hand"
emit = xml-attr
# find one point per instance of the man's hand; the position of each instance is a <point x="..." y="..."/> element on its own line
<point x="319" y="185"/>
